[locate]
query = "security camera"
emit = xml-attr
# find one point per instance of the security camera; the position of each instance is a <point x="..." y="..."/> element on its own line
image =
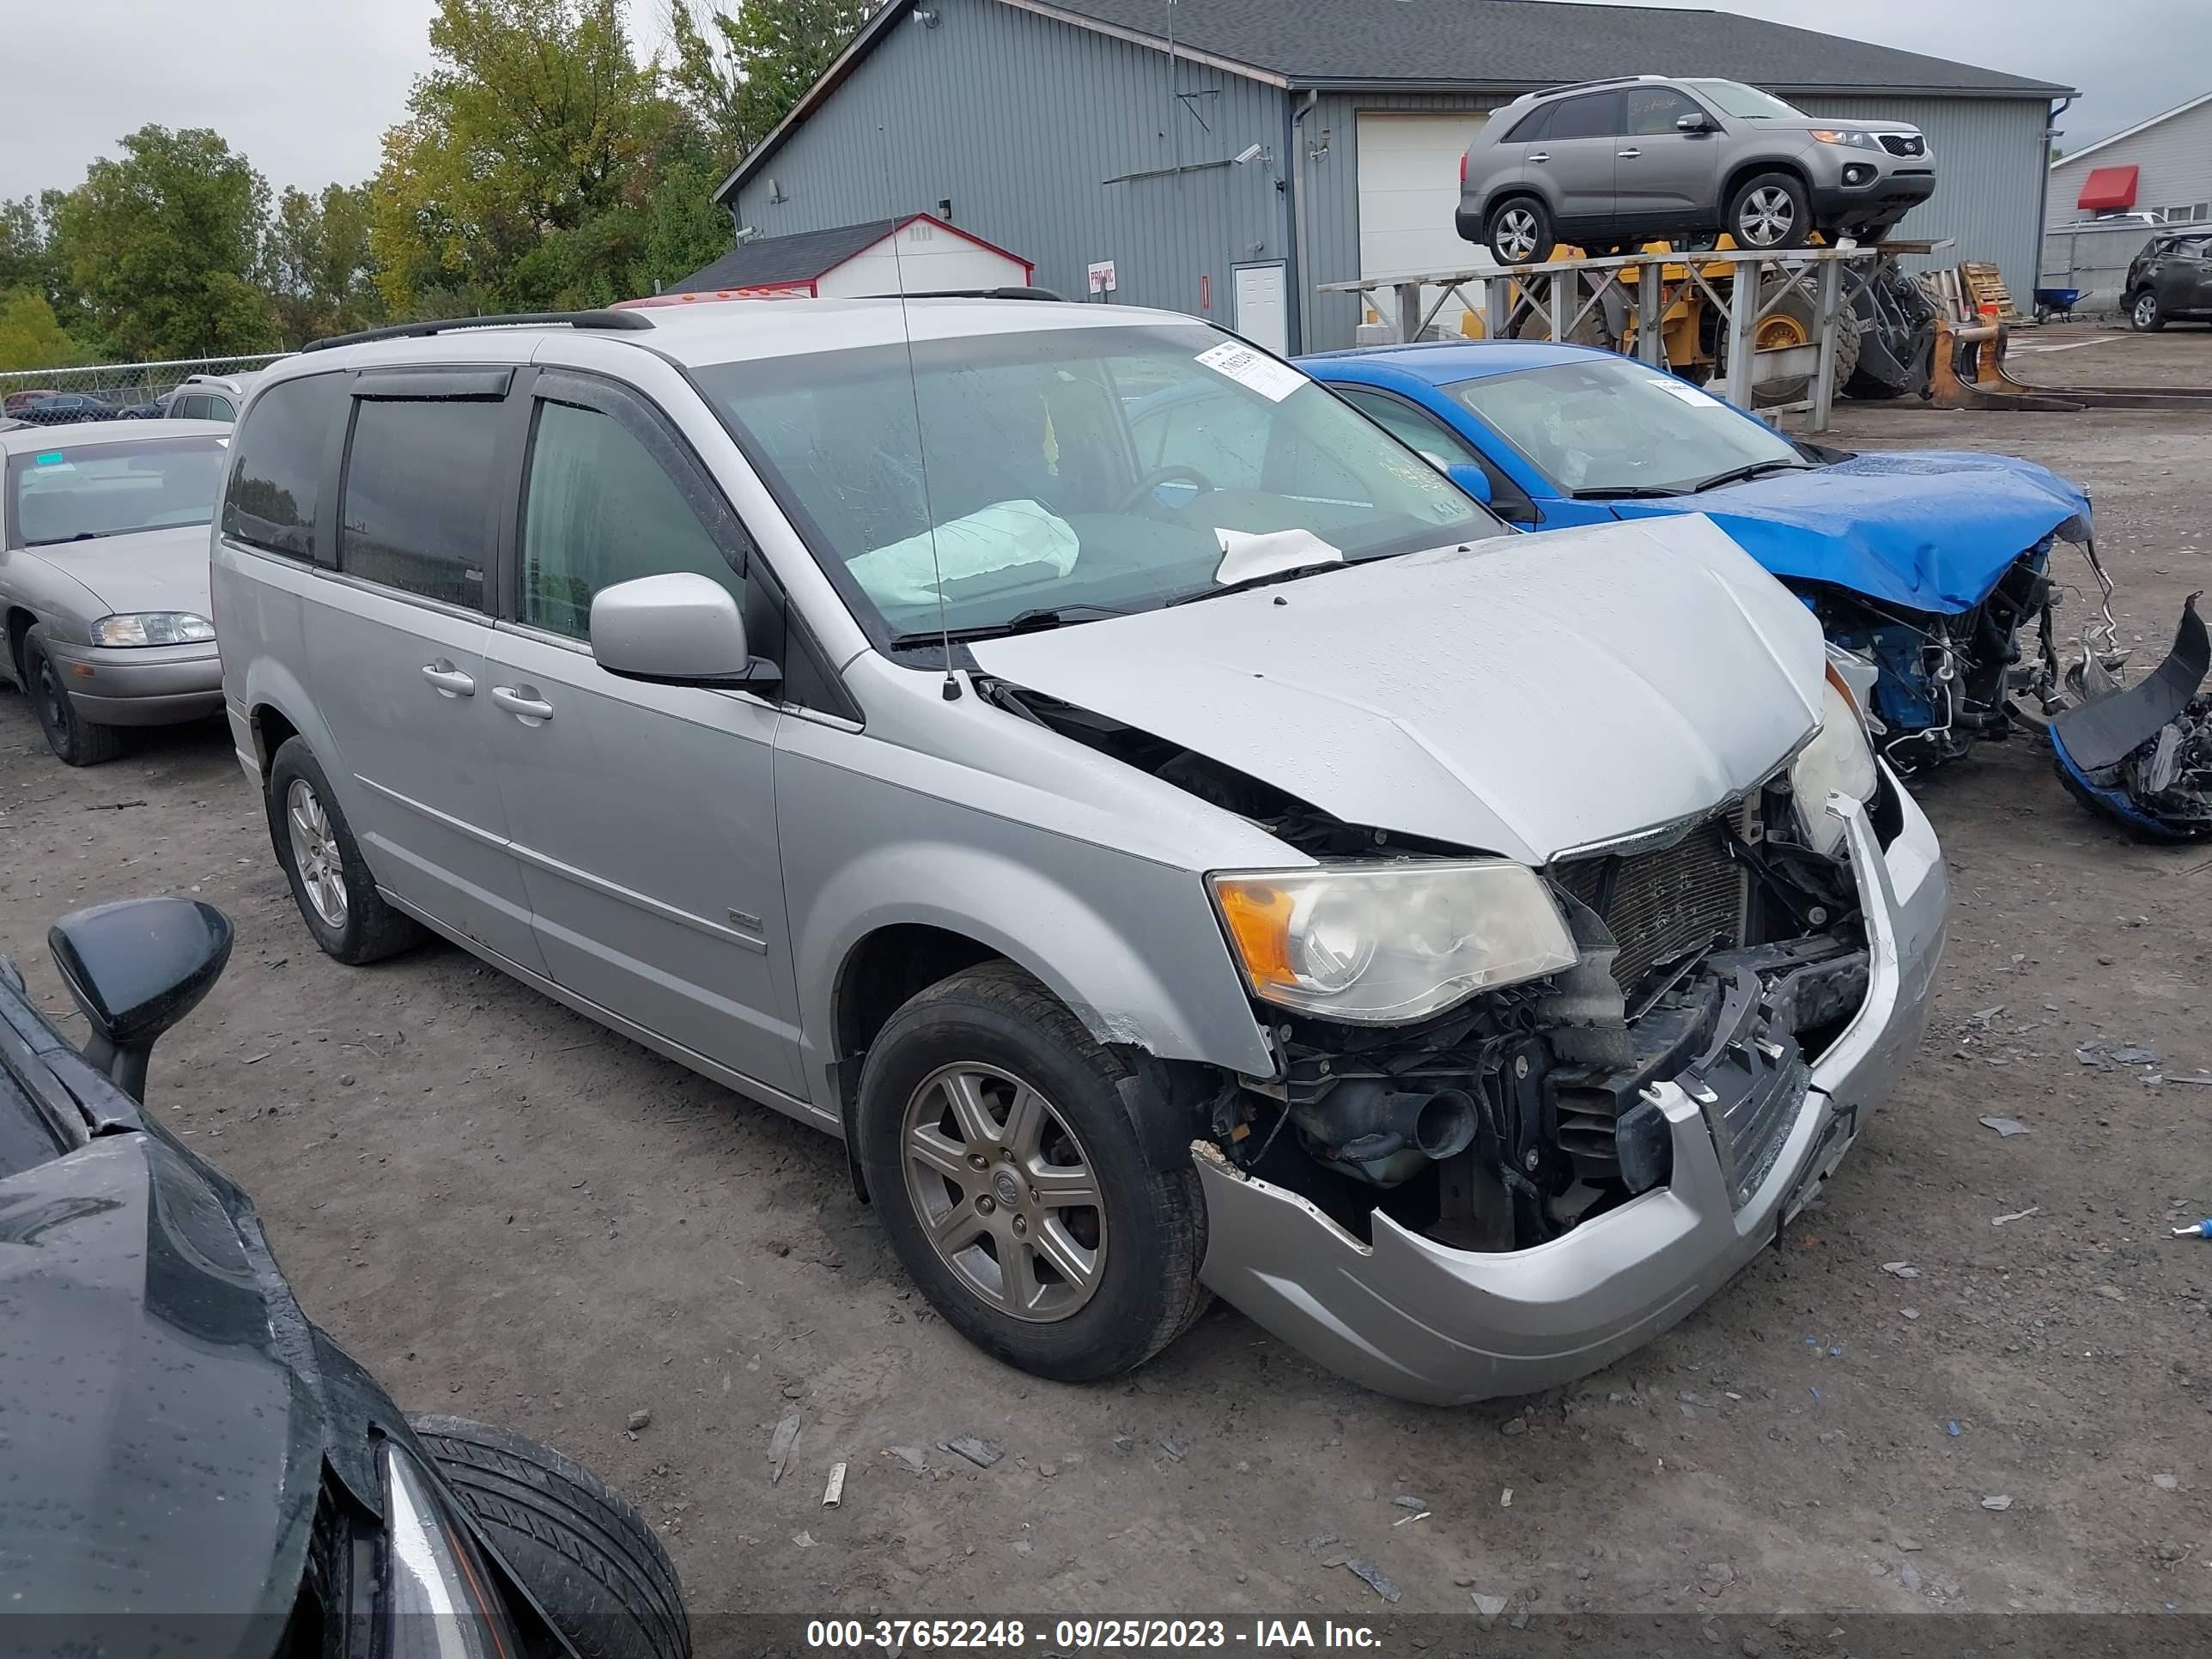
<point x="1251" y="153"/>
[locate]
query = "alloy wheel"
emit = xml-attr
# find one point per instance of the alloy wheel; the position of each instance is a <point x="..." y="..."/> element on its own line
<point x="1516" y="233"/>
<point x="1767" y="216"/>
<point x="315" y="853"/>
<point x="1006" y="1194"/>
<point x="2145" y="311"/>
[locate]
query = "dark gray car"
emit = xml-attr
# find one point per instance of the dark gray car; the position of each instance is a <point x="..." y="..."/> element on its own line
<point x="2171" y="281"/>
<point x="1609" y="163"/>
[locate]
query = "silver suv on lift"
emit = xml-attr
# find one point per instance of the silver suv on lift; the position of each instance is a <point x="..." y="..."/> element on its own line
<point x="1176" y="838"/>
<point x="1605" y="164"/>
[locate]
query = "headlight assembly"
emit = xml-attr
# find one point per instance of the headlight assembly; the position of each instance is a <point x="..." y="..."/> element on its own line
<point x="1849" y="137"/>
<point x="152" y="628"/>
<point x="1381" y="944"/>
<point x="440" y="1601"/>
<point x="1839" y="760"/>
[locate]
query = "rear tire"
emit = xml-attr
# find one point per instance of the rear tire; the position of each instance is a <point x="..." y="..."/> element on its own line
<point x="993" y="1040"/>
<point x="2145" y="315"/>
<point x="1520" y="232"/>
<point x="1770" y="211"/>
<point x="580" y="1547"/>
<point x="331" y="882"/>
<point x="75" y="740"/>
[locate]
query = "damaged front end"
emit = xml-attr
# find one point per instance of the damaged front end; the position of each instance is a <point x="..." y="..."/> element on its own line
<point x="1949" y="677"/>
<point x="2142" y="756"/>
<point x="1717" y="960"/>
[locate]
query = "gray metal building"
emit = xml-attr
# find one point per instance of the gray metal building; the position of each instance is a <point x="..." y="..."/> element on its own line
<point x="1227" y="157"/>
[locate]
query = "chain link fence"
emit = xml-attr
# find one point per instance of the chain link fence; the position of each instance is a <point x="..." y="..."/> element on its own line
<point x="2094" y="260"/>
<point x="108" y="391"/>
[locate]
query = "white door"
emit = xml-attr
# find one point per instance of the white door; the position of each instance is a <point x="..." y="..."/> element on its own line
<point x="1408" y="173"/>
<point x="1263" y="308"/>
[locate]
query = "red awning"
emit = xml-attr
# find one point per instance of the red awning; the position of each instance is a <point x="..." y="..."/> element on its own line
<point x="2108" y="188"/>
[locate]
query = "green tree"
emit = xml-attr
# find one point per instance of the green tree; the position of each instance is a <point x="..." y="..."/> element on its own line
<point x="318" y="266"/>
<point x="31" y="337"/>
<point x="739" y="72"/>
<point x="162" y="246"/>
<point x="535" y="122"/>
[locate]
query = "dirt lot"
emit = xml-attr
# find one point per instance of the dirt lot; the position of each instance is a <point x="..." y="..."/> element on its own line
<point x="506" y="1212"/>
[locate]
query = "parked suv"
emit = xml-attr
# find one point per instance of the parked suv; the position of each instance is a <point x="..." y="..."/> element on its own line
<point x="1173" y="834"/>
<point x="207" y="396"/>
<point x="1611" y="163"/>
<point x="2170" y="281"/>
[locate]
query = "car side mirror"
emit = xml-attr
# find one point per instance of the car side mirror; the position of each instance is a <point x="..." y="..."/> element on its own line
<point x="135" y="968"/>
<point x="1471" y="478"/>
<point x="1692" y="124"/>
<point x="681" y="629"/>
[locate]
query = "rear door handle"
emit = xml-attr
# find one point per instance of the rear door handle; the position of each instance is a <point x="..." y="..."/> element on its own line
<point x="1624" y="153"/>
<point x="450" y="681"/>
<point x="1542" y="156"/>
<point x="531" y="711"/>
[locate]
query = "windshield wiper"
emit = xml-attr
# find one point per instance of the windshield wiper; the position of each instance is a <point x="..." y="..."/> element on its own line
<point x="1027" y="622"/>
<point x="1629" y="493"/>
<point x="1756" y="469"/>
<point x="1288" y="574"/>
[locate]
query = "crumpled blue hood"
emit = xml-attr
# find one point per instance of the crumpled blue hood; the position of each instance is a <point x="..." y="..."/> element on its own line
<point x="1928" y="529"/>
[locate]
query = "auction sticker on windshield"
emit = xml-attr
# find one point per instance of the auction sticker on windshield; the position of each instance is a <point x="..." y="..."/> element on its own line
<point x="1247" y="367"/>
<point x="1688" y="393"/>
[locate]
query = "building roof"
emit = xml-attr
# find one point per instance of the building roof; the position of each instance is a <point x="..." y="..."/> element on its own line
<point x="1515" y="43"/>
<point x="796" y="260"/>
<point x="1464" y="45"/>
<point x="2129" y="132"/>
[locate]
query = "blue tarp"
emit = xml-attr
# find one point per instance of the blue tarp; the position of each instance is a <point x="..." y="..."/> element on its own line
<point x="1929" y="530"/>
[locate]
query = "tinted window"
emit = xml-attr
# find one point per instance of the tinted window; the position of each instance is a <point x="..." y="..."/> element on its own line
<point x="275" y="472"/>
<point x="417" y="490"/>
<point x="1654" y="110"/>
<point x="1531" y="126"/>
<point x="601" y="510"/>
<point x="218" y="409"/>
<point x="1597" y="116"/>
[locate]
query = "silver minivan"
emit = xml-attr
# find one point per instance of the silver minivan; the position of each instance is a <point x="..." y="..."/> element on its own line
<point x="1173" y="836"/>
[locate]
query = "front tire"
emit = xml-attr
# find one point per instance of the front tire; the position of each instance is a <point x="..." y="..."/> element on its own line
<point x="2145" y="315"/>
<point x="582" y="1549"/>
<point x="1005" y="1151"/>
<point x="75" y="740"/>
<point x="1770" y="211"/>
<point x="1520" y="232"/>
<point x="330" y="881"/>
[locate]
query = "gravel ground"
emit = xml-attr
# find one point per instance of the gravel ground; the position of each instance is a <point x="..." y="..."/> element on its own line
<point x="507" y="1213"/>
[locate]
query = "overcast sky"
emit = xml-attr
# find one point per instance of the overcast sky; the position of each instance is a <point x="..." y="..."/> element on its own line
<point x="305" y="88"/>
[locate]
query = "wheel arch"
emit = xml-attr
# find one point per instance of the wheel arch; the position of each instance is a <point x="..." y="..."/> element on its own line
<point x="1743" y="172"/>
<point x="20" y="620"/>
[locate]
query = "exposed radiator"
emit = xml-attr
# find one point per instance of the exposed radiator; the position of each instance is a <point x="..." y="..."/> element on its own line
<point x="1664" y="903"/>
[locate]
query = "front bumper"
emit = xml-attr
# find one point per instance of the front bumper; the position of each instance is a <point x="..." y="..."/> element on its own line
<point x="1892" y="187"/>
<point x="141" y="685"/>
<point x="1423" y="1321"/>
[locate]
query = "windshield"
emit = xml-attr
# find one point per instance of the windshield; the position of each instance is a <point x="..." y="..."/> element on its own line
<point x="79" y="492"/>
<point x="1745" y="103"/>
<point x="1068" y="473"/>
<point x="1607" y="425"/>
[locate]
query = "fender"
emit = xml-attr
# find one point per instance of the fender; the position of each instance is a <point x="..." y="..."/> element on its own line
<point x="1173" y="998"/>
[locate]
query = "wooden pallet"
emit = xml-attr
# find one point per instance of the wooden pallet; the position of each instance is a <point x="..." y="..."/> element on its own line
<point x="1985" y="285"/>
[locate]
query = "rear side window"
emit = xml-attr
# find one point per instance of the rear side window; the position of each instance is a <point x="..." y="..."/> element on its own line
<point x="1533" y="125"/>
<point x="273" y="498"/>
<point x="1596" y="115"/>
<point x="418" y="510"/>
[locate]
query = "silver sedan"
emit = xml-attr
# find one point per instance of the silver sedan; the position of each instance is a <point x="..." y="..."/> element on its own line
<point x="104" y="577"/>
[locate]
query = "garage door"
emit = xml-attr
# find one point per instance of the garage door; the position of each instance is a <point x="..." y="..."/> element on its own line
<point x="1408" y="189"/>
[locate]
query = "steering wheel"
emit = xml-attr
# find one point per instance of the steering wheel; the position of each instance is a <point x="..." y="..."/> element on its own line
<point x="1158" y="476"/>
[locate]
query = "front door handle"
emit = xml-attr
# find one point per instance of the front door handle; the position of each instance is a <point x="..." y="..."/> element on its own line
<point x="1625" y="154"/>
<point x="450" y="681"/>
<point x="519" y="702"/>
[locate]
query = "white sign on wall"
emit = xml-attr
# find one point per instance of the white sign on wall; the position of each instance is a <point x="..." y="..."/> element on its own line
<point x="1101" y="276"/>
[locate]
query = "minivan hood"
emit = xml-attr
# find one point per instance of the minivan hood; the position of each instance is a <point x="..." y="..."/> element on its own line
<point x="1525" y="696"/>
<point x="152" y="570"/>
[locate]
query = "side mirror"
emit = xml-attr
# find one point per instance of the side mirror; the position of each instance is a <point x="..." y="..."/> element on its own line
<point x="1471" y="478"/>
<point x="1692" y="124"/>
<point x="681" y="629"/>
<point x="134" y="970"/>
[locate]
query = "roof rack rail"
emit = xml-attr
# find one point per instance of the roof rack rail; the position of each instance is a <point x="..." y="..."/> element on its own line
<point x="1053" y="295"/>
<point x="620" y="321"/>
<point x="1602" y="81"/>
